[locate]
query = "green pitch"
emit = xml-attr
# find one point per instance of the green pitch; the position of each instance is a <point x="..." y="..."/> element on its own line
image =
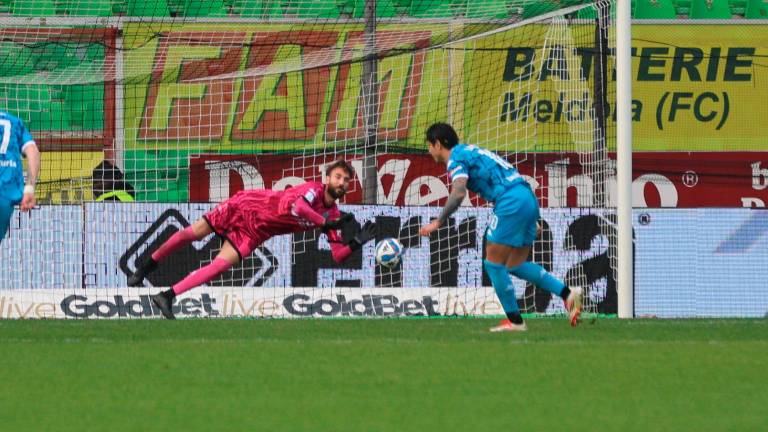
<point x="382" y="375"/>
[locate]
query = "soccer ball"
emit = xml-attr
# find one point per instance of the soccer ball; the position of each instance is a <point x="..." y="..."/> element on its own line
<point x="388" y="252"/>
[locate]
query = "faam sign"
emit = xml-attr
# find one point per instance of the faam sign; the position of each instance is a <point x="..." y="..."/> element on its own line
<point x="281" y="91"/>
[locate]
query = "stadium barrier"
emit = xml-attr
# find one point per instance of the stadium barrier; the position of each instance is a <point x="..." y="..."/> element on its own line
<point x="724" y="251"/>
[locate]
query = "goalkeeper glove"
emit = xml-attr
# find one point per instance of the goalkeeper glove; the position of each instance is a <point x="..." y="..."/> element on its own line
<point x="337" y="223"/>
<point x="363" y="236"/>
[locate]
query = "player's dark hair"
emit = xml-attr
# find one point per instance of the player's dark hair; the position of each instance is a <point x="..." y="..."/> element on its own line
<point x="444" y="133"/>
<point x="341" y="163"/>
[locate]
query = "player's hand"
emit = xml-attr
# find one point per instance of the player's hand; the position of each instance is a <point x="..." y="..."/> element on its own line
<point x="366" y="234"/>
<point x="427" y="229"/>
<point x="28" y="202"/>
<point x="338" y="223"/>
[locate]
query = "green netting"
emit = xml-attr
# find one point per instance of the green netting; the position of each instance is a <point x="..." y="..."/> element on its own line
<point x="34" y="7"/>
<point x="331" y="9"/>
<point x="432" y="9"/>
<point x="756" y="9"/>
<point x="384" y="9"/>
<point x="148" y="8"/>
<point x="205" y="8"/>
<point x="738" y="7"/>
<point x="52" y="106"/>
<point x="533" y="9"/>
<point x="90" y="7"/>
<point x="308" y="9"/>
<point x="252" y="8"/>
<point x="488" y="9"/>
<point x="659" y="9"/>
<point x="708" y="9"/>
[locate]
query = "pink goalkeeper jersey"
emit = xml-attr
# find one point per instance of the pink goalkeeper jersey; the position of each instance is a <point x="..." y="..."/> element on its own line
<point x="250" y="217"/>
<point x="313" y="193"/>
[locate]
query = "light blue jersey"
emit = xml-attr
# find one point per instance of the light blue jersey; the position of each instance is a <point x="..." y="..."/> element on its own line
<point x="515" y="211"/>
<point x="513" y="222"/>
<point x="488" y="174"/>
<point x="14" y="137"/>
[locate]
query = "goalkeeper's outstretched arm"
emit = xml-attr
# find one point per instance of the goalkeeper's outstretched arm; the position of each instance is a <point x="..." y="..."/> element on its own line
<point x="341" y="251"/>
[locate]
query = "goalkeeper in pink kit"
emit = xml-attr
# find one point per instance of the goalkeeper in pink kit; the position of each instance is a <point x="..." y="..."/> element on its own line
<point x="249" y="218"/>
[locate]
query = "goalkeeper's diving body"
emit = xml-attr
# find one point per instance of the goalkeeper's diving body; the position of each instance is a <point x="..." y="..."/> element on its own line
<point x="250" y="217"/>
<point x="513" y="225"/>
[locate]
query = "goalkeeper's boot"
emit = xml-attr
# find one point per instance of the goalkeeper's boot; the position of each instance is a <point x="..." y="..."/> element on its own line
<point x="506" y="325"/>
<point x="164" y="302"/>
<point x="137" y="278"/>
<point x="573" y="305"/>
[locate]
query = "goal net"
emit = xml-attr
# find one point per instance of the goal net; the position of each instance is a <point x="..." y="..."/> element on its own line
<point x="148" y="113"/>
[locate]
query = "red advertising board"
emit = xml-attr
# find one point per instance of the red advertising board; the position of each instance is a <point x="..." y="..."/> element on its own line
<point x="701" y="179"/>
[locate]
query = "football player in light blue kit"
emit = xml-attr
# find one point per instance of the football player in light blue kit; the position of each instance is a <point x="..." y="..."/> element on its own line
<point x="513" y="225"/>
<point x="16" y="140"/>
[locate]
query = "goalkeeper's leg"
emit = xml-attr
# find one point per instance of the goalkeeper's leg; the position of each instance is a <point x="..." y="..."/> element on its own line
<point x="194" y="232"/>
<point x="226" y="258"/>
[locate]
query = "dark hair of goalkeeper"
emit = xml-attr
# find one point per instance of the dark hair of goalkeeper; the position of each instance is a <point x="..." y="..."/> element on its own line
<point x="341" y="163"/>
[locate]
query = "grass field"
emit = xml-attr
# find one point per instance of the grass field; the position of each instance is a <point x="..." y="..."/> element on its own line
<point x="376" y="375"/>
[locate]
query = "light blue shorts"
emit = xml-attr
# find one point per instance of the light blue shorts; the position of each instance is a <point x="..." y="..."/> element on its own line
<point x="514" y="218"/>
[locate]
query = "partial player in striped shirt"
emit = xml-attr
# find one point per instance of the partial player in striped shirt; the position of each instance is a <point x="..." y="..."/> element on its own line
<point x="15" y="141"/>
<point x="250" y="217"/>
<point x="513" y="225"/>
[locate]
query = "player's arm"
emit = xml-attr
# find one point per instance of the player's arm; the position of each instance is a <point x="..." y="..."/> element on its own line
<point x="303" y="209"/>
<point x="32" y="154"/>
<point x="341" y="251"/>
<point x="455" y="198"/>
<point x="457" y="195"/>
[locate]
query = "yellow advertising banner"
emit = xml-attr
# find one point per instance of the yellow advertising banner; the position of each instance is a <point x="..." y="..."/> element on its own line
<point x="702" y="87"/>
<point x="695" y="88"/>
<point x="275" y="87"/>
<point x="65" y="177"/>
